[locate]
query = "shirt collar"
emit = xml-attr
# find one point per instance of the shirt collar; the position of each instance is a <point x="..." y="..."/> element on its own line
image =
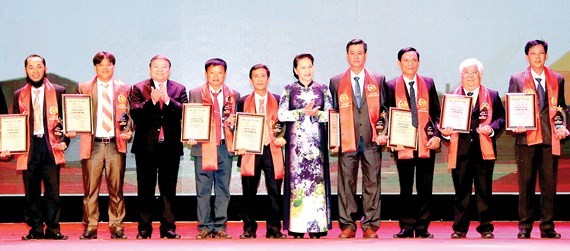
<point x="406" y="80"/>
<point x="536" y="75"/>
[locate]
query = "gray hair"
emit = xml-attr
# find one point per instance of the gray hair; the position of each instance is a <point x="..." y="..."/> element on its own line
<point x="471" y="62"/>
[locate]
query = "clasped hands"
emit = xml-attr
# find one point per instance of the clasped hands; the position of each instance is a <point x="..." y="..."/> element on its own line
<point x="156" y="95"/>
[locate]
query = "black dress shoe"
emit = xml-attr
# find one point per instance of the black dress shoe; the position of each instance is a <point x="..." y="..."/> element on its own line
<point x="143" y="234"/>
<point x="276" y="235"/>
<point x="297" y="235"/>
<point x="550" y="234"/>
<point x="119" y="234"/>
<point x="458" y="235"/>
<point x="524" y="233"/>
<point x="169" y="234"/>
<point x="424" y="234"/>
<point x="405" y="233"/>
<point x="487" y="235"/>
<point x="88" y="234"/>
<point x="314" y="235"/>
<point x="55" y="236"/>
<point x="32" y="235"/>
<point x="248" y="235"/>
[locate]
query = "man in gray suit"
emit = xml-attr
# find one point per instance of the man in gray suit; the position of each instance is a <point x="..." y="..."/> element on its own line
<point x="213" y="160"/>
<point x="537" y="151"/>
<point x="358" y="95"/>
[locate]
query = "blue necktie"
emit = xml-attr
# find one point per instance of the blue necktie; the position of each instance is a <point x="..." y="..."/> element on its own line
<point x="413" y="107"/>
<point x="540" y="91"/>
<point x="357" y="93"/>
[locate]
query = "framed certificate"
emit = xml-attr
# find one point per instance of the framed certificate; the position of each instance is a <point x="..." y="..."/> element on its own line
<point x="520" y="110"/>
<point x="14" y="133"/>
<point x="249" y="131"/>
<point x="456" y="112"/>
<point x="401" y="132"/>
<point x="334" y="129"/>
<point x="77" y="113"/>
<point x="196" y="122"/>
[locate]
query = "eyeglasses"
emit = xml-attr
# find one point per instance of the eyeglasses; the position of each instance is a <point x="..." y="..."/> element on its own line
<point x="472" y="73"/>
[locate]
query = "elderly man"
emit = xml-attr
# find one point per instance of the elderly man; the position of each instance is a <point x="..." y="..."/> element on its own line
<point x="472" y="155"/>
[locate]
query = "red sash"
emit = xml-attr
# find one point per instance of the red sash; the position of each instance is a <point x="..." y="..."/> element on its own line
<point x="423" y="115"/>
<point x="248" y="159"/>
<point x="210" y="149"/>
<point x="534" y="137"/>
<point x="345" y="97"/>
<point x="52" y="113"/>
<point x="120" y="94"/>
<point x="484" y="140"/>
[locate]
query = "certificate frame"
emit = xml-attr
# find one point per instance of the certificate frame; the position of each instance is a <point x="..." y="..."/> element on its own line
<point x="523" y="105"/>
<point x="196" y="122"/>
<point x="334" y="129"/>
<point x="77" y="113"/>
<point x="400" y="123"/>
<point x="249" y="131"/>
<point x="14" y="125"/>
<point x="456" y="112"/>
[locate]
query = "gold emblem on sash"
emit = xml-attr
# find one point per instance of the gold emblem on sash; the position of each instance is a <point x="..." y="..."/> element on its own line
<point x="553" y="101"/>
<point x="53" y="110"/>
<point x="403" y="104"/>
<point x="371" y="88"/>
<point x="423" y="103"/>
<point x="529" y="91"/>
<point x="122" y="99"/>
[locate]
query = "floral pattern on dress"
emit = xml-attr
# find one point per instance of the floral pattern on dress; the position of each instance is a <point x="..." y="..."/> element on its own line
<point x="308" y="208"/>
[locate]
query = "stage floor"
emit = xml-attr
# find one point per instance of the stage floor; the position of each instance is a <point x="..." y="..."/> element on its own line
<point x="505" y="239"/>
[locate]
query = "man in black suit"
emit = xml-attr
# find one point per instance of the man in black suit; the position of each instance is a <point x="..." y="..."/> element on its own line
<point x="418" y="94"/>
<point x="261" y="101"/>
<point x="156" y="109"/>
<point x="41" y="100"/>
<point x="472" y="155"/>
<point x="537" y="151"/>
<point x="213" y="160"/>
<point x="359" y="97"/>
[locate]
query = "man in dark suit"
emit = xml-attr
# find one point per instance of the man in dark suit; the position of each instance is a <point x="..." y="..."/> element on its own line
<point x="261" y="101"/>
<point x="418" y="94"/>
<point x="213" y="160"/>
<point x="104" y="150"/>
<point x="537" y="151"/>
<point x="41" y="100"/>
<point x="472" y="155"/>
<point x="359" y="97"/>
<point x="156" y="109"/>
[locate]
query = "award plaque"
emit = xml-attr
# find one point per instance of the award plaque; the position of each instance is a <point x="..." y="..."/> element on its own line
<point x="77" y="113"/>
<point x="520" y="110"/>
<point x="196" y="122"/>
<point x="248" y="133"/>
<point x="456" y="112"/>
<point x="14" y="133"/>
<point x="401" y="132"/>
<point x="334" y="129"/>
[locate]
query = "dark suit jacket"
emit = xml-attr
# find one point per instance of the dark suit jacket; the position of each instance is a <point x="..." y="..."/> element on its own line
<point x="3" y="105"/>
<point x="516" y="84"/>
<point x="497" y="123"/>
<point x="362" y="124"/>
<point x="196" y="97"/>
<point x="148" y="117"/>
<point x="16" y="110"/>
<point x="434" y="108"/>
<point x="240" y="107"/>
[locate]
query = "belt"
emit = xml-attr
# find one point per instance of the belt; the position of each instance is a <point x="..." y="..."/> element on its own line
<point x="104" y="140"/>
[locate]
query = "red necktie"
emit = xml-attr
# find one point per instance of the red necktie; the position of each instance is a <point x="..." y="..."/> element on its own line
<point x="217" y="117"/>
<point x="161" y="103"/>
